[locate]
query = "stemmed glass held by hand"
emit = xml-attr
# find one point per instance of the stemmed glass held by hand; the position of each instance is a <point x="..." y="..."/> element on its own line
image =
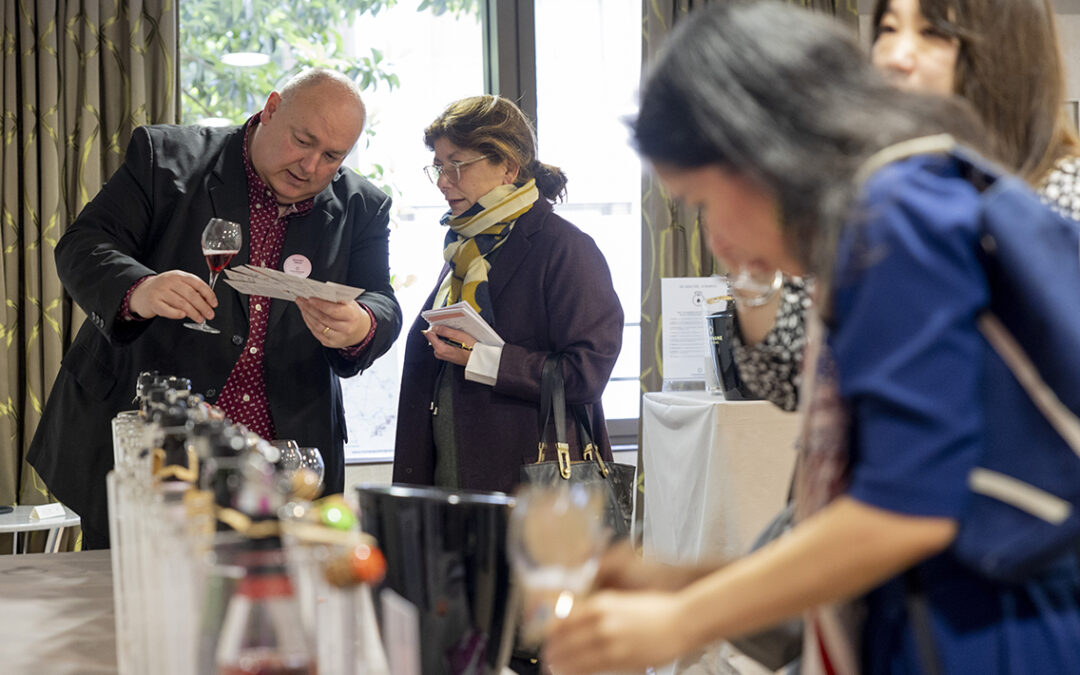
<point x="221" y="241"/>
<point x="556" y="539"/>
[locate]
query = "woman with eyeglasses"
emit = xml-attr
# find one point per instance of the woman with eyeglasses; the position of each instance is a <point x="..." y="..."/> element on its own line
<point x="467" y="416"/>
<point x="772" y="123"/>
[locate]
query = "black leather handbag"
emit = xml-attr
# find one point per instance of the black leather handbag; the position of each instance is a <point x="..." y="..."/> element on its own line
<point x="615" y="480"/>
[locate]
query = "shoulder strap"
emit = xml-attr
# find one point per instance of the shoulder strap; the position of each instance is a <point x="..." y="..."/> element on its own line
<point x="553" y="399"/>
<point x="590" y="451"/>
<point x="979" y="171"/>
<point x="1042" y="395"/>
<point x="547" y="383"/>
<point x="924" y="145"/>
<point x="585" y="430"/>
<point x="982" y="173"/>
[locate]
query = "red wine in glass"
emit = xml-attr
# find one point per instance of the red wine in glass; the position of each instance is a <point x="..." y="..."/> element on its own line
<point x="217" y="260"/>
<point x="221" y="241"/>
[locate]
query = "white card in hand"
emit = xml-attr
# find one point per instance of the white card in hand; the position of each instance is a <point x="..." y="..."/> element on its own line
<point x="251" y="280"/>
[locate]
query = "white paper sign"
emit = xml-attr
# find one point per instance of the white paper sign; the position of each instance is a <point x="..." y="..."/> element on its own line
<point x="47" y="511"/>
<point x="684" y="304"/>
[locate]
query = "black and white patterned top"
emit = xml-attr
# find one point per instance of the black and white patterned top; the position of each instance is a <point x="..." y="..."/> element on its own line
<point x="1061" y="188"/>
<point x="772" y="369"/>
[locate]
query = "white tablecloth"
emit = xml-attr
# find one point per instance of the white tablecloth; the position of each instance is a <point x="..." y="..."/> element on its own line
<point x="56" y="614"/>
<point x="715" y="471"/>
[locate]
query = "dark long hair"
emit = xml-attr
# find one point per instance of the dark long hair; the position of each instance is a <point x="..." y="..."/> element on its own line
<point x="1009" y="68"/>
<point x="788" y="99"/>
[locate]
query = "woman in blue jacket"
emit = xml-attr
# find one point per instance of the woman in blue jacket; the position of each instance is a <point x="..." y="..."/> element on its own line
<point x="763" y="116"/>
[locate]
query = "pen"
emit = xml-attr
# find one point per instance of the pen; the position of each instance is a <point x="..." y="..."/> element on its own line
<point x="452" y="343"/>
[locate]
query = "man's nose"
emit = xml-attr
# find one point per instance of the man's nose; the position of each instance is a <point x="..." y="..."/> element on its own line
<point x="310" y="162"/>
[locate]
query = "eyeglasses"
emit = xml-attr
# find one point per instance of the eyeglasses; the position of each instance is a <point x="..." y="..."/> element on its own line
<point x="451" y="169"/>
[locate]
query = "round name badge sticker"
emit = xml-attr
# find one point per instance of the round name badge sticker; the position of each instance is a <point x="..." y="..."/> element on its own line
<point x="297" y="265"/>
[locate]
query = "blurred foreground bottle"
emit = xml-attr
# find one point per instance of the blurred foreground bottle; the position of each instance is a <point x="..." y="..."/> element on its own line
<point x="262" y="633"/>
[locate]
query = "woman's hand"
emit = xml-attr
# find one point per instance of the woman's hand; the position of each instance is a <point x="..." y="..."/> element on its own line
<point x="335" y="324"/>
<point x="618" y="631"/>
<point x="450" y="345"/>
<point x="842" y="551"/>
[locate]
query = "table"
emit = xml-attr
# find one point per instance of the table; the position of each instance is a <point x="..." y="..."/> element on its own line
<point x="19" y="521"/>
<point x="716" y="472"/>
<point x="57" y="615"/>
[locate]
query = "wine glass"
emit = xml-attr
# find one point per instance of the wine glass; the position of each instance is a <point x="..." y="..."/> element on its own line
<point x="292" y="459"/>
<point x="556" y="538"/>
<point x="288" y="458"/>
<point x="221" y="241"/>
<point x="312" y="460"/>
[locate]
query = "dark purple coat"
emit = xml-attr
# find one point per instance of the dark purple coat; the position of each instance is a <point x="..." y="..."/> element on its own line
<point x="551" y="292"/>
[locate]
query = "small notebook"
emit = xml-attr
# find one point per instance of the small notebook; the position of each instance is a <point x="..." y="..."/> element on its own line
<point x="461" y="316"/>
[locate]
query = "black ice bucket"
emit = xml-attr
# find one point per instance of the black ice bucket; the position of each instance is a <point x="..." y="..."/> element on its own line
<point x="446" y="557"/>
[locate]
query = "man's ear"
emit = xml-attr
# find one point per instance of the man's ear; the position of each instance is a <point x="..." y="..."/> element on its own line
<point x="273" y="102"/>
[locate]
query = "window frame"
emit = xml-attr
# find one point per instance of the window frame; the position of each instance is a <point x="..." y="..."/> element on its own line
<point x="510" y="71"/>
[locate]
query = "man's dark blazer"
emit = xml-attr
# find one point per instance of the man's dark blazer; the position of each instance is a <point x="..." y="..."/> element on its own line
<point x="148" y="218"/>
<point x="551" y="291"/>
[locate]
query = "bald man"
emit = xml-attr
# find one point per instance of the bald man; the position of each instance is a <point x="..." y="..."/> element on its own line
<point x="133" y="261"/>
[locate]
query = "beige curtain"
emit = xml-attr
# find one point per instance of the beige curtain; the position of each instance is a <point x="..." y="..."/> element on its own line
<point x="672" y="243"/>
<point x="78" y="77"/>
<point x="672" y="240"/>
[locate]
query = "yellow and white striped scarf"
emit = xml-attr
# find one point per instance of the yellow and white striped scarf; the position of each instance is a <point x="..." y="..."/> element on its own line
<point x="472" y="236"/>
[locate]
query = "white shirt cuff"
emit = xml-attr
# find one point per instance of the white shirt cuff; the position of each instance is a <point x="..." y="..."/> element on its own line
<point x="483" y="366"/>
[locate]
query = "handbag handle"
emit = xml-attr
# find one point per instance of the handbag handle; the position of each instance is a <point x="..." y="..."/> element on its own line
<point x="589" y="449"/>
<point x="553" y="397"/>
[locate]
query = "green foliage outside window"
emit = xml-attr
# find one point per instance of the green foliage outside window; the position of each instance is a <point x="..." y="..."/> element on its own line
<point x="455" y="8"/>
<point x="293" y="34"/>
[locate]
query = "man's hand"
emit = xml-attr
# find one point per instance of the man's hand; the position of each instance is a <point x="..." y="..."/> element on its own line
<point x="335" y="324"/>
<point x="174" y="295"/>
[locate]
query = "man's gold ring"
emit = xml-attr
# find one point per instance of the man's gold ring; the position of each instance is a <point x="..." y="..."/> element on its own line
<point x="326" y="330"/>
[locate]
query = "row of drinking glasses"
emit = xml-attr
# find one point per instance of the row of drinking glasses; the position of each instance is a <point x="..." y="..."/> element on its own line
<point x="175" y="575"/>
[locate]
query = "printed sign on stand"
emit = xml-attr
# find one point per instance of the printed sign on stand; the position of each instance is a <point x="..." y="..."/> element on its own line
<point x="685" y="302"/>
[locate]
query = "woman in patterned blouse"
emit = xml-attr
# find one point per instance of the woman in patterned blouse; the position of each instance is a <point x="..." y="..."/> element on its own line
<point x="944" y="47"/>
